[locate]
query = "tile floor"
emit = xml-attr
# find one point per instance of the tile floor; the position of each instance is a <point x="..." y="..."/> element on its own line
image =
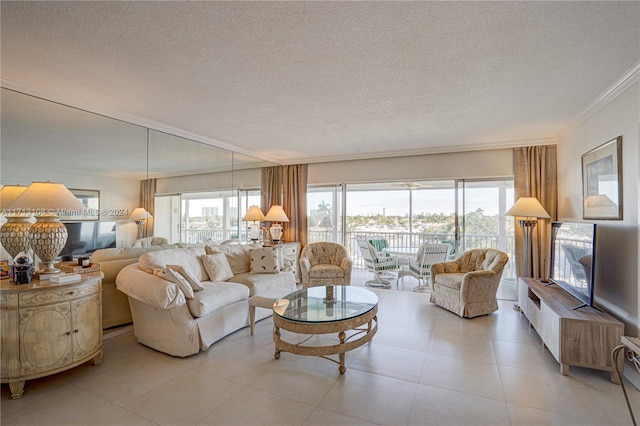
<point x="425" y="366"/>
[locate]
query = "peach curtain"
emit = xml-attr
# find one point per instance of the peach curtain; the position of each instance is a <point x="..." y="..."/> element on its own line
<point x="147" y="200"/>
<point x="287" y="186"/>
<point x="294" y="182"/>
<point x="535" y="175"/>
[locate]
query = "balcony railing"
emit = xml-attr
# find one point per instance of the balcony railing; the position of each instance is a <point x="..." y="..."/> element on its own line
<point x="405" y="239"/>
<point x="395" y="239"/>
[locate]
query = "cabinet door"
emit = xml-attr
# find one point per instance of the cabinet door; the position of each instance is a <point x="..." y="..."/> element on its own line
<point x="87" y="331"/>
<point x="45" y="338"/>
<point x="9" y="343"/>
<point x="550" y="330"/>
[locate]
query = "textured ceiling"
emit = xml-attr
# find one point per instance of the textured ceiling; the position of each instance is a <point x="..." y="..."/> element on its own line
<point x="312" y="81"/>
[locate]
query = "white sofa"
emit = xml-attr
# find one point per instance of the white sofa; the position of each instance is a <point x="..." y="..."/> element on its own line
<point x="168" y="320"/>
<point x="115" y="307"/>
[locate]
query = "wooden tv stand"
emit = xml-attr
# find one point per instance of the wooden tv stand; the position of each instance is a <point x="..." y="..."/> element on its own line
<point x="582" y="337"/>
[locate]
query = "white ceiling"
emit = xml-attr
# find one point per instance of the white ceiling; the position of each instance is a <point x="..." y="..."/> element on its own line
<point x="315" y="81"/>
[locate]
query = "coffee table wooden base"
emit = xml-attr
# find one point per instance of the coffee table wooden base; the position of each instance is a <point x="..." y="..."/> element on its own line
<point x="347" y="342"/>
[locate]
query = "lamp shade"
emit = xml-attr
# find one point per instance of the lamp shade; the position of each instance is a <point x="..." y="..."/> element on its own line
<point x="46" y="197"/>
<point x="276" y="214"/>
<point x="8" y="194"/>
<point x="528" y="207"/>
<point x="253" y="214"/>
<point x="140" y="214"/>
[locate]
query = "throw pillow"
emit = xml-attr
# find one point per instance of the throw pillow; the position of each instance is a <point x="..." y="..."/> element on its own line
<point x="217" y="266"/>
<point x="238" y="255"/>
<point x="175" y="277"/>
<point x="193" y="281"/>
<point x="264" y="261"/>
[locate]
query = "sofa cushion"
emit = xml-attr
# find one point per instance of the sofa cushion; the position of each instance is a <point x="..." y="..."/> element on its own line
<point x="217" y="266"/>
<point x="238" y="255"/>
<point x="189" y="258"/>
<point x="193" y="281"/>
<point x="176" y="278"/>
<point x="261" y="282"/>
<point x="452" y="280"/>
<point x="215" y="296"/>
<point x="264" y="261"/>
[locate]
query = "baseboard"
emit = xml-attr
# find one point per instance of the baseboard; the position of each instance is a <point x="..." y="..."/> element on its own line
<point x="117" y="331"/>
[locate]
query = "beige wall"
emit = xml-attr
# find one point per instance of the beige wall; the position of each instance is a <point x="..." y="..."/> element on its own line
<point x="617" y="284"/>
<point x="472" y="164"/>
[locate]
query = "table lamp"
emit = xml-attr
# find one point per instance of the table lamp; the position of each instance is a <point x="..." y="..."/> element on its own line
<point x="48" y="235"/>
<point x="254" y="215"/>
<point x="530" y="209"/>
<point x="140" y="215"/>
<point x="276" y="214"/>
<point x="14" y="235"/>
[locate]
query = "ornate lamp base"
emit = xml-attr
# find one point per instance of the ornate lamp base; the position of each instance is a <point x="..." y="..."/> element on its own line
<point x="47" y="238"/>
<point x="14" y="235"/>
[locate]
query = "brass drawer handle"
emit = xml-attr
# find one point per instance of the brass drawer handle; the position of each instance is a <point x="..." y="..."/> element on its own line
<point x="68" y="333"/>
<point x="70" y="293"/>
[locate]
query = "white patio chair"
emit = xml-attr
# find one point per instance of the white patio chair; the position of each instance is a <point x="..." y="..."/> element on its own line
<point x="376" y="264"/>
<point x="420" y="267"/>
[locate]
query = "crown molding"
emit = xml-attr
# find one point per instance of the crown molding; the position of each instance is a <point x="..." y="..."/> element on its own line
<point x="52" y="96"/>
<point x="612" y="92"/>
<point x="430" y="151"/>
<point x="140" y="121"/>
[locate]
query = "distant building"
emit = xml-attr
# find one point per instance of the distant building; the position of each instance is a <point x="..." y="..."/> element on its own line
<point x="209" y="211"/>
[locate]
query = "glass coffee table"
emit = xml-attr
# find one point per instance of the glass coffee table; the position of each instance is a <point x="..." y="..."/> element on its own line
<point x="346" y="311"/>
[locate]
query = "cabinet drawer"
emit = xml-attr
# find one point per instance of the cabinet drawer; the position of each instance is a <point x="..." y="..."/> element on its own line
<point x="290" y="250"/>
<point x="52" y="295"/>
<point x="8" y="300"/>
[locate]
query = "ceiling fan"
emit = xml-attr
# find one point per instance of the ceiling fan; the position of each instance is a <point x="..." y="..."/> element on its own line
<point x="410" y="185"/>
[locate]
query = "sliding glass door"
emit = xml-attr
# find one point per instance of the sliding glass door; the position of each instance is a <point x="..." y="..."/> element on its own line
<point x="482" y="205"/>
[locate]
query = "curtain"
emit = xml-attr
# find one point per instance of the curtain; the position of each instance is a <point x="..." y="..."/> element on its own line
<point x="287" y="186"/>
<point x="294" y="182"/>
<point x="147" y="201"/>
<point x="271" y="187"/>
<point x="535" y="175"/>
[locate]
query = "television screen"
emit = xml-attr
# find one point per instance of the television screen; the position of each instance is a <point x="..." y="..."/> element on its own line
<point x="86" y="237"/>
<point x="573" y="248"/>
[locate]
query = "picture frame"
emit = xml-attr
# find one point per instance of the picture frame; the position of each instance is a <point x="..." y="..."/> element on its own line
<point x="602" y="181"/>
<point x="90" y="198"/>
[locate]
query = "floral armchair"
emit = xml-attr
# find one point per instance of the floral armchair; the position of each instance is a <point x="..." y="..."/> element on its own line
<point x="468" y="285"/>
<point x="325" y="263"/>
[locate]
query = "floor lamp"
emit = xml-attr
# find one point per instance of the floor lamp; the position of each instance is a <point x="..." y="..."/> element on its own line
<point x="529" y="210"/>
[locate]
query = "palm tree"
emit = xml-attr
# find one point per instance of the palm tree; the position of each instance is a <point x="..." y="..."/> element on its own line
<point x="324" y="208"/>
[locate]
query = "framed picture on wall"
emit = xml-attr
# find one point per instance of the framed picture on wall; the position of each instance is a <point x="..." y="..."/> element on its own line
<point x="91" y="200"/>
<point x="602" y="181"/>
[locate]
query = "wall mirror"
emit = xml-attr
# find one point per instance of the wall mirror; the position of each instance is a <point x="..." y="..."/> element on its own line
<point x="44" y="140"/>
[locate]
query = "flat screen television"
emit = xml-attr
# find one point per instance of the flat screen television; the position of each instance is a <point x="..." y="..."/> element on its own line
<point x="86" y="237"/>
<point x="573" y="254"/>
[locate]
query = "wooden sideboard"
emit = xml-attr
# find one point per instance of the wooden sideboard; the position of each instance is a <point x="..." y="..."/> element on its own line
<point x="47" y="328"/>
<point x="582" y="337"/>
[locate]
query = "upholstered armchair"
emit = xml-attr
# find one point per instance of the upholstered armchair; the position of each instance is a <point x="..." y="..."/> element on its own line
<point x="325" y="263"/>
<point x="150" y="241"/>
<point x="468" y="285"/>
